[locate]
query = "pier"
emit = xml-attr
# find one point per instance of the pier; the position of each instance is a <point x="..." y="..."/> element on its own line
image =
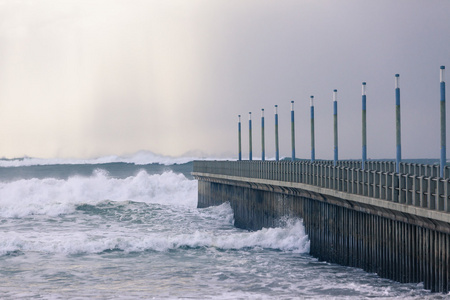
<point x="395" y="224"/>
<point x="386" y="217"/>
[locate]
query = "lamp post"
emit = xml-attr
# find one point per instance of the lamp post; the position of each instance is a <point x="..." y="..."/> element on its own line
<point x="364" y="131"/>
<point x="398" y="132"/>
<point x="239" y="138"/>
<point x="250" y="136"/>
<point x="443" y="124"/>
<point x="292" y="131"/>
<point x="335" y="118"/>
<point x="263" y="150"/>
<point x="277" y="150"/>
<point x="313" y="149"/>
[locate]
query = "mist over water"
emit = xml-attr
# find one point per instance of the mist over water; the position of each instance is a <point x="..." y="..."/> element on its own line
<point x="141" y="158"/>
<point x="81" y="231"/>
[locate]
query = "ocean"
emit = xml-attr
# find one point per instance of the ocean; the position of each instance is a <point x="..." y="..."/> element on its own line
<point x="129" y="228"/>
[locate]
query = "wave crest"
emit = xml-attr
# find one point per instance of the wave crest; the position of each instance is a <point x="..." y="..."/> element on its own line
<point x="50" y="196"/>
<point x="289" y="238"/>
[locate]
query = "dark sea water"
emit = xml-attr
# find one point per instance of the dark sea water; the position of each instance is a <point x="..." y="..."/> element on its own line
<point x="117" y="228"/>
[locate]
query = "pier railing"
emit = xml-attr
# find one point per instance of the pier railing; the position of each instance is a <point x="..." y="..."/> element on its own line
<point x="426" y="170"/>
<point x="416" y="184"/>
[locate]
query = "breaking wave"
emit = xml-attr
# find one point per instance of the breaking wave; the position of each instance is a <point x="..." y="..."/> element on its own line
<point x="51" y="196"/>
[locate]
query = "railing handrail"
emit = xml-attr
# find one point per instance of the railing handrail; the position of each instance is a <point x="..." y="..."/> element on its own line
<point x="421" y="187"/>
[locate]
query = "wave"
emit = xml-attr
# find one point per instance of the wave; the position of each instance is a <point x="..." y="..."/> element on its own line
<point x="51" y="196"/>
<point x="291" y="237"/>
<point x="139" y="158"/>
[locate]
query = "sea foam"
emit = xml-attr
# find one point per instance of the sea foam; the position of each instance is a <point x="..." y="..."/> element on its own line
<point x="51" y="196"/>
<point x="291" y="238"/>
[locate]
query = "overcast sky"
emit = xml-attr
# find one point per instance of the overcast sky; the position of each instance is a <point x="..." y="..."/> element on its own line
<point x="92" y="78"/>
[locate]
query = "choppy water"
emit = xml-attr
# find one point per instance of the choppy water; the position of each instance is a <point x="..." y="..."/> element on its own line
<point x="122" y="230"/>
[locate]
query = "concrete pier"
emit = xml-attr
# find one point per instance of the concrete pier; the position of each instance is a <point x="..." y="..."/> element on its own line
<point x="394" y="224"/>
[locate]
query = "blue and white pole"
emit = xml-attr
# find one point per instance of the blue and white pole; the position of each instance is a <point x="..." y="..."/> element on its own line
<point x="239" y="138"/>
<point x="250" y="136"/>
<point x="313" y="148"/>
<point x="277" y="149"/>
<point x="263" y="146"/>
<point x="292" y="131"/>
<point x="364" y="131"/>
<point x="335" y="117"/>
<point x="443" y="124"/>
<point x="398" y="124"/>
